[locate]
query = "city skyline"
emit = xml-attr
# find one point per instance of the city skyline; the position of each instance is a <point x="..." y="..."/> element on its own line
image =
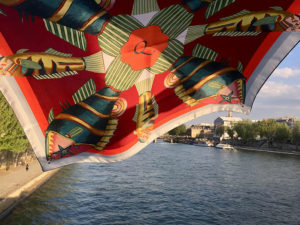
<point x="280" y="95"/>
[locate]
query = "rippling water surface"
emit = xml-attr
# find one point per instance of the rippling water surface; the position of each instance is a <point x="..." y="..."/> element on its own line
<point x="171" y="184"/>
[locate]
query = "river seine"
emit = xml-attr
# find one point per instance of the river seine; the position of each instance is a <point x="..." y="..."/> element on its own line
<point x="171" y="184"/>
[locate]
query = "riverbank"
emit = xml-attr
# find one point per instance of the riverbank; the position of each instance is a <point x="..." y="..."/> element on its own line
<point x="269" y="150"/>
<point x="287" y="149"/>
<point x="18" y="183"/>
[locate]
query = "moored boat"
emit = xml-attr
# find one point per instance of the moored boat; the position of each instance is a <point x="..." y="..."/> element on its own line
<point x="225" y="146"/>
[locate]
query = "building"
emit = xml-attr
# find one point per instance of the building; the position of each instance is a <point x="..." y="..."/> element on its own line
<point x="290" y="121"/>
<point x="226" y="121"/>
<point x="203" y="130"/>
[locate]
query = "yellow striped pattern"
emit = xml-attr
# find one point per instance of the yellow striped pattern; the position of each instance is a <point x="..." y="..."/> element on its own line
<point x="144" y="85"/>
<point x="106" y="97"/>
<point x="92" y="20"/>
<point x="64" y="116"/>
<point x="92" y="110"/>
<point x="195" y="70"/>
<point x="62" y="10"/>
<point x="181" y="65"/>
<point x="109" y="131"/>
<point x="208" y="78"/>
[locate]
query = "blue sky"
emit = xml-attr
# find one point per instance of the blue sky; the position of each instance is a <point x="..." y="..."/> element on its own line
<point x="280" y="96"/>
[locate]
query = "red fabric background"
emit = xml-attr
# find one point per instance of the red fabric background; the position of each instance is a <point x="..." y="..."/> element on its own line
<point x="42" y="95"/>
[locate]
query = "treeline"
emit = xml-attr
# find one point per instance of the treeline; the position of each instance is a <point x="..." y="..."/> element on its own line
<point x="270" y="130"/>
<point x="180" y="130"/>
<point x="12" y="137"/>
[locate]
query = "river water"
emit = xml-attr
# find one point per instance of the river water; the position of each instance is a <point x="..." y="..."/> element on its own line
<point x="171" y="184"/>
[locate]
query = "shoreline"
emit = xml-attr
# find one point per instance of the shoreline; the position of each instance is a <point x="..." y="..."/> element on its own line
<point x="249" y="148"/>
<point x="18" y="184"/>
<point x="258" y="149"/>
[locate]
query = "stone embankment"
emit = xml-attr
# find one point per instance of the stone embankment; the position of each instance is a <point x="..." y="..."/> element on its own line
<point x="18" y="182"/>
<point x="179" y="139"/>
<point x="288" y="151"/>
<point x="259" y="146"/>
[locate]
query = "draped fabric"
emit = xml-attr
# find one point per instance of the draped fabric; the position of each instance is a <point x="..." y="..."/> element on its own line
<point x="96" y="81"/>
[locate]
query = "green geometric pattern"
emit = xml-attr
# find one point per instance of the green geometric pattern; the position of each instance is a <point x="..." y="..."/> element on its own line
<point x="155" y="106"/>
<point x="144" y="85"/>
<point x="74" y="37"/>
<point x="240" y="67"/>
<point x="194" y="32"/>
<point x="167" y="57"/>
<point x="94" y="63"/>
<point x="54" y="52"/>
<point x="144" y="6"/>
<point x="75" y="131"/>
<point x="55" y="75"/>
<point x="119" y="75"/>
<point x="277" y="8"/>
<point x="51" y="116"/>
<point x="2" y="12"/>
<point x="236" y="34"/>
<point x="88" y="89"/>
<point x="116" y="33"/>
<point x="173" y="20"/>
<point x="216" y="6"/>
<point x="203" y="52"/>
<point x="243" y="12"/>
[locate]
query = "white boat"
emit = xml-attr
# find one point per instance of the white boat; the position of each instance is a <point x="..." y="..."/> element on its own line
<point x="225" y="146"/>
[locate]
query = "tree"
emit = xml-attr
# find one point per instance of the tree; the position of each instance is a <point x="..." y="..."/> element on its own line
<point x="246" y="130"/>
<point x="296" y="134"/>
<point x="12" y="136"/>
<point x="220" y="131"/>
<point x="282" y="133"/>
<point x="180" y="130"/>
<point x="230" y="132"/>
<point x="240" y="130"/>
<point x="267" y="129"/>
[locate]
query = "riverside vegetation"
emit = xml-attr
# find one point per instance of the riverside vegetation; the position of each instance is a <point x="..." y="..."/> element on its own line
<point x="14" y="146"/>
<point x="265" y="133"/>
<point x="269" y="131"/>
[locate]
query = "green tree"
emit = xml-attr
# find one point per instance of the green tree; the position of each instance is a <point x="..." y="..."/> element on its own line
<point x="180" y="130"/>
<point x="240" y="130"/>
<point x="12" y="136"/>
<point x="230" y="132"/>
<point x="220" y="131"/>
<point x="267" y="129"/>
<point x="246" y="130"/>
<point x="282" y="133"/>
<point x="296" y="134"/>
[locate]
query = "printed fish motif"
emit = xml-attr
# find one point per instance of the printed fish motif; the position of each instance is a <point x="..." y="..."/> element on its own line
<point x="50" y="64"/>
<point x="198" y="79"/>
<point x="262" y="21"/>
<point x="66" y="12"/>
<point x="247" y="23"/>
<point x="87" y="124"/>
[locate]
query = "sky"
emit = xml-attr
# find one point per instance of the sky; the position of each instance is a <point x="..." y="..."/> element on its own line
<point x="280" y="95"/>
